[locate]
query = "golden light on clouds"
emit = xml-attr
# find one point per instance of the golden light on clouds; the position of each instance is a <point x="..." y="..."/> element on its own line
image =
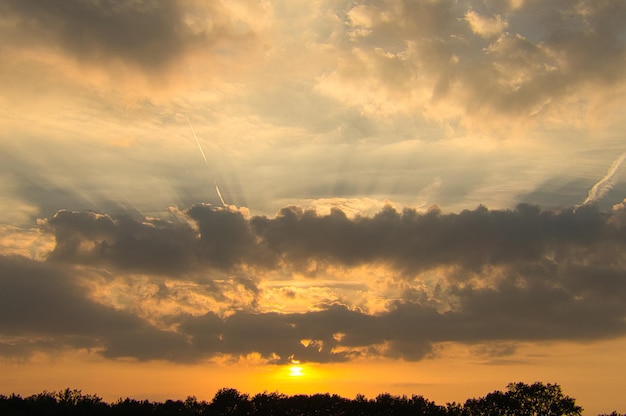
<point x="353" y="197"/>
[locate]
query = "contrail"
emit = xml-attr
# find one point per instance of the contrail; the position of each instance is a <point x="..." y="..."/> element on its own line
<point x="217" y="189"/>
<point x="604" y="185"/>
<point x="197" y="141"/>
<point x="206" y="162"/>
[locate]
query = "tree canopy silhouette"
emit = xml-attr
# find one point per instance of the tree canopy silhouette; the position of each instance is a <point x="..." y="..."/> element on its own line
<point x="519" y="399"/>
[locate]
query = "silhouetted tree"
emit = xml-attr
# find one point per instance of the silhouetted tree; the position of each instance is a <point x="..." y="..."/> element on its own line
<point x="193" y="406"/>
<point x="454" y="409"/>
<point x="132" y="407"/>
<point x="522" y="399"/>
<point x="228" y="401"/>
<point x="44" y="403"/>
<point x="519" y="399"/>
<point x="12" y="405"/>
<point x="386" y="404"/>
<point x="269" y="404"/>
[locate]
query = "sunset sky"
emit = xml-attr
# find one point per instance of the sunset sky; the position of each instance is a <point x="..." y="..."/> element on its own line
<point x="413" y="197"/>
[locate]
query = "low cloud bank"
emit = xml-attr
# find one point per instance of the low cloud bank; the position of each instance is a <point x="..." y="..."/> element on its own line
<point x="493" y="276"/>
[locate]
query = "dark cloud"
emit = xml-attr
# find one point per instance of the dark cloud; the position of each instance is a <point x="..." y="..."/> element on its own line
<point x="550" y="304"/>
<point x="547" y="305"/>
<point x="223" y="239"/>
<point x="272" y="335"/>
<point x="510" y="275"/>
<point x="407" y="240"/>
<point x="311" y="336"/>
<point x="44" y="307"/>
<point x="225" y="236"/>
<point x="414" y="241"/>
<point x="148" y="33"/>
<point x="45" y="299"/>
<point x="153" y="245"/>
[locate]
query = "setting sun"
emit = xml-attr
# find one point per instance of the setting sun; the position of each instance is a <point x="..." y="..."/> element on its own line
<point x="296" y="371"/>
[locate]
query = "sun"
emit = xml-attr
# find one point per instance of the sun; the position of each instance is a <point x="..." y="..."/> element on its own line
<point x="295" y="370"/>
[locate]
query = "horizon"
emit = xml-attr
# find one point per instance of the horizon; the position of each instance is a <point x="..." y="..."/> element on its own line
<point x="536" y="397"/>
<point x="372" y="196"/>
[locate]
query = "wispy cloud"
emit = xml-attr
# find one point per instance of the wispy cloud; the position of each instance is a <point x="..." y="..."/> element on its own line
<point x="604" y="185"/>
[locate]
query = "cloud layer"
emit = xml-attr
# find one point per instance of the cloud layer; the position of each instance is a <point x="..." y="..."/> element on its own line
<point x="479" y="276"/>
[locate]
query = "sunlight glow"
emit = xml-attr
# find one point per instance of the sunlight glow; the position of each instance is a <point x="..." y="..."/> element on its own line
<point x="296" y="371"/>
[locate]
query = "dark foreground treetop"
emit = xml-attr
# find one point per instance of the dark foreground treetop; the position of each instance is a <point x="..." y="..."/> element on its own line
<point x="519" y="399"/>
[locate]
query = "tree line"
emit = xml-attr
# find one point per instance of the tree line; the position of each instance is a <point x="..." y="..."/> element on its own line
<point x="519" y="399"/>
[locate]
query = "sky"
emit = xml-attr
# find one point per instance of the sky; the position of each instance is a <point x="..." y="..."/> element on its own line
<point x="364" y="196"/>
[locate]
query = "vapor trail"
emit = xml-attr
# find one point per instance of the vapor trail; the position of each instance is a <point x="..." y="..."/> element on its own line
<point x="197" y="141"/>
<point x="605" y="184"/>
<point x="206" y="162"/>
<point x="217" y="189"/>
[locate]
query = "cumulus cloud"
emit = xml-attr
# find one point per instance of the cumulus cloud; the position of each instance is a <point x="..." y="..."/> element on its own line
<point x="413" y="241"/>
<point x="464" y="60"/>
<point x="485" y="26"/>
<point x="85" y="237"/>
<point x="409" y="241"/>
<point x="406" y="240"/>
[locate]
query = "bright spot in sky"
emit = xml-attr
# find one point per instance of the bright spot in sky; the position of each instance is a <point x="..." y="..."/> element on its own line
<point x="295" y="370"/>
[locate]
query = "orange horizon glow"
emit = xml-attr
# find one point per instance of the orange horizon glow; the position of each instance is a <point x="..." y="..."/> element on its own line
<point x="450" y="377"/>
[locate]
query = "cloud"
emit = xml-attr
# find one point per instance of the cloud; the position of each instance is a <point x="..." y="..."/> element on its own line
<point x="123" y="56"/>
<point x="149" y="34"/>
<point x="549" y="305"/>
<point x="154" y="246"/>
<point x="408" y="241"/>
<point x="485" y="26"/>
<point x="547" y="308"/>
<point x="41" y="298"/>
<point x="474" y="277"/>
<point x="463" y="60"/>
<point x="412" y="241"/>
<point x="44" y="307"/>
<point x="209" y="237"/>
<point x="604" y="185"/>
<point x="345" y="115"/>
